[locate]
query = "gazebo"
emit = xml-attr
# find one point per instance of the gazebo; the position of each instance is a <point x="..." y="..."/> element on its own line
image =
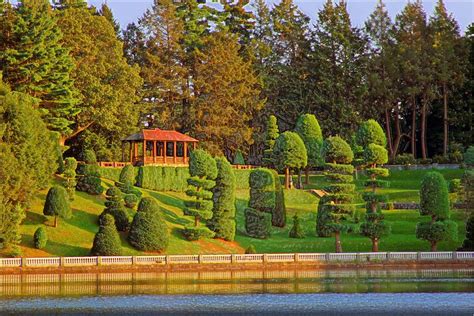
<point x="161" y="147"/>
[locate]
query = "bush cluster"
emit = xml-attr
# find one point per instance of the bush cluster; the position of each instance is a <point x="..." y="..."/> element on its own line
<point x="88" y="175"/>
<point x="114" y="206"/>
<point x="296" y="231"/>
<point x="40" y="238"/>
<point x="404" y="159"/>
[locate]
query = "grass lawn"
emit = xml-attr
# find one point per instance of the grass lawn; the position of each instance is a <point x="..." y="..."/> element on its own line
<point x="74" y="237"/>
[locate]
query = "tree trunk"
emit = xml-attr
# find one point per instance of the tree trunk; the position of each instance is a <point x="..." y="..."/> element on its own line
<point x="196" y="221"/>
<point x="434" y="245"/>
<point x="389" y="133"/>
<point x="306" y="171"/>
<point x="287" y="178"/>
<point x="300" y="180"/>
<point x="398" y="132"/>
<point x="424" y="150"/>
<point x="55" y="221"/>
<point x="413" y="128"/>
<point x="375" y="245"/>
<point x="338" y="242"/>
<point x="445" y="119"/>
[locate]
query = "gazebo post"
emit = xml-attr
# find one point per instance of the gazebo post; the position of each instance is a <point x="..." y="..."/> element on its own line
<point x="174" y="152"/>
<point x="165" y="147"/>
<point x="194" y="145"/>
<point x="131" y="152"/>
<point x="154" y="151"/>
<point x="135" y="147"/>
<point x="185" y="152"/>
<point x="144" y="152"/>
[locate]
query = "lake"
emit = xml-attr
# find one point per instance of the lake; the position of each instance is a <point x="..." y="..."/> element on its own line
<point x="326" y="292"/>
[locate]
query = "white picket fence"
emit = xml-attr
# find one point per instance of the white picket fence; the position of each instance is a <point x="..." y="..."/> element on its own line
<point x="235" y="258"/>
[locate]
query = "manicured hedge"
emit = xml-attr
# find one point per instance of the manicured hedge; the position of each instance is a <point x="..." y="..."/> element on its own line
<point x="111" y="173"/>
<point x="242" y="178"/>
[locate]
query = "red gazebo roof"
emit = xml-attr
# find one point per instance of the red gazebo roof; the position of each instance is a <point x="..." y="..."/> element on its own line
<point x="160" y="135"/>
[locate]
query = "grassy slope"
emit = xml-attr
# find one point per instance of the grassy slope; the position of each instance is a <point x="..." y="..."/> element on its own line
<point x="74" y="237"/>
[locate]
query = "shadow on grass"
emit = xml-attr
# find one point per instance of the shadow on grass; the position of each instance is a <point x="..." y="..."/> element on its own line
<point x="55" y="248"/>
<point x="84" y="220"/>
<point x="34" y="218"/>
<point x="168" y="200"/>
<point x="171" y="217"/>
<point x="178" y="233"/>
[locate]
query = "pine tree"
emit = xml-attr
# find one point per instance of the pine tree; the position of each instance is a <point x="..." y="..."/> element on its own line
<point x="70" y="183"/>
<point x="223" y="195"/>
<point x="107" y="13"/>
<point x="307" y="126"/>
<point x="289" y="153"/>
<point x="271" y="136"/>
<point x="296" y="231"/>
<point x="238" y="20"/>
<point x="36" y="63"/>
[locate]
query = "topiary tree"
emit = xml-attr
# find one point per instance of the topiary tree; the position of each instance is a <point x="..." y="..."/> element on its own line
<point x="127" y="181"/>
<point x="239" y="158"/>
<point x="223" y="196"/>
<point x="307" y="126"/>
<point x="131" y="200"/>
<point x="88" y="176"/>
<point x="203" y="171"/>
<point x="40" y="238"/>
<point x="57" y="204"/>
<point x="336" y="207"/>
<point x="279" y="211"/>
<point x="434" y="202"/>
<point x="114" y="206"/>
<point x="271" y="135"/>
<point x="370" y="132"/>
<point x="374" y="226"/>
<point x="107" y="240"/>
<point x="289" y="153"/>
<point x="468" y="244"/>
<point x="149" y="231"/>
<point x="258" y="218"/>
<point x="296" y="231"/>
<point x="467" y="181"/>
<point x="70" y="166"/>
<point x="250" y="250"/>
<point x="469" y="156"/>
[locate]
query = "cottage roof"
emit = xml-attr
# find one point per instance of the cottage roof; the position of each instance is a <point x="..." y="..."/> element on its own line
<point x="160" y="135"/>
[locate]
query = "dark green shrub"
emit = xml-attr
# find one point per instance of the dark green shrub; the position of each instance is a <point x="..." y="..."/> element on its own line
<point x="163" y="178"/>
<point x="238" y="158"/>
<point x="262" y="190"/>
<point x="192" y="233"/>
<point x="455" y="186"/>
<point x="40" y="238"/>
<point x="469" y="156"/>
<point x="271" y="135"/>
<point x="370" y="132"/>
<point x="257" y="223"/>
<point x="296" y="231"/>
<point x="107" y="240"/>
<point x="440" y="159"/>
<point x="88" y="175"/>
<point x="149" y="231"/>
<point x="127" y="175"/>
<point x="468" y="244"/>
<point x="89" y="157"/>
<point x="57" y="204"/>
<point x="70" y="166"/>
<point x="140" y="177"/>
<point x="337" y="150"/>
<point x="250" y="250"/>
<point x="115" y="207"/>
<point x="404" y="159"/>
<point x="148" y="204"/>
<point x="289" y="153"/>
<point x="131" y="200"/>
<point x="456" y="157"/>
<point x="307" y="126"/>
<point x="279" y="211"/>
<point x="223" y="195"/>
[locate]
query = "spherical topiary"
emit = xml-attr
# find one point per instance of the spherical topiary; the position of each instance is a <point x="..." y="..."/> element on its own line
<point x="307" y="126"/>
<point x="337" y="150"/>
<point x="148" y="204"/>
<point x="149" y="231"/>
<point x="469" y="156"/>
<point x="201" y="164"/>
<point x="127" y="175"/>
<point x="40" y="238"/>
<point x="434" y="197"/>
<point x="250" y="250"/>
<point x="107" y="240"/>
<point x="57" y="203"/>
<point x="130" y="200"/>
<point x="375" y="155"/>
<point x="70" y="163"/>
<point x="370" y="132"/>
<point x="296" y="231"/>
<point x="115" y="207"/>
<point x="290" y="151"/>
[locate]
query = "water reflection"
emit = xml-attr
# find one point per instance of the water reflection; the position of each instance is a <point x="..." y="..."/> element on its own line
<point x="237" y="282"/>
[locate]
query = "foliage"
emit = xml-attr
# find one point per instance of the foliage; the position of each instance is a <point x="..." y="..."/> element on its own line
<point x="40" y="238"/>
<point x="149" y="231"/>
<point x="469" y="156"/>
<point x="370" y="132"/>
<point x="455" y="186"/>
<point x="88" y="179"/>
<point x="242" y="177"/>
<point x="163" y="178"/>
<point x="468" y="244"/>
<point x="257" y="224"/>
<point x="250" y="250"/>
<point x="467" y="181"/>
<point x="127" y="175"/>
<point x="193" y="233"/>
<point x="107" y="240"/>
<point x="307" y="126"/>
<point x="375" y="154"/>
<point x="238" y="158"/>
<point x="271" y="136"/>
<point x="436" y="231"/>
<point x="57" y="203"/>
<point x="337" y="150"/>
<point x="404" y="159"/>
<point x="290" y="151"/>
<point x="114" y="206"/>
<point x="223" y="195"/>
<point x="296" y="231"/>
<point x="131" y="200"/>
<point x="148" y="204"/>
<point x="70" y="166"/>
<point x="279" y="211"/>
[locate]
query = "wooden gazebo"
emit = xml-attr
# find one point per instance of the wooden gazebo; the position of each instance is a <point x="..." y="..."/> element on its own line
<point x="161" y="147"/>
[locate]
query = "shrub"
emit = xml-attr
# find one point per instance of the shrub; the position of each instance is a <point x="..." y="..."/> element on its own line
<point x="337" y="150"/>
<point x="469" y="156"/>
<point x="107" y="240"/>
<point x="148" y="204"/>
<point x="242" y="178"/>
<point x="390" y="206"/>
<point x="40" y="238"/>
<point x="70" y="166"/>
<point x="425" y="161"/>
<point x="289" y="153"/>
<point x="127" y="175"/>
<point x="89" y="157"/>
<point x="440" y="159"/>
<point x="131" y="200"/>
<point x="455" y="186"/>
<point x="468" y="244"/>
<point x="149" y="231"/>
<point x="296" y="231"/>
<point x="250" y="250"/>
<point x="88" y="175"/>
<point x="238" y="158"/>
<point x="279" y="211"/>
<point x="370" y="132"/>
<point x="192" y="233"/>
<point x="307" y="126"/>
<point x="262" y="190"/>
<point x="258" y="224"/>
<point x="114" y="206"/>
<point x="57" y="204"/>
<point x="271" y="135"/>
<point x="163" y="178"/>
<point x="404" y="159"/>
<point x="223" y="195"/>
<point x="375" y="155"/>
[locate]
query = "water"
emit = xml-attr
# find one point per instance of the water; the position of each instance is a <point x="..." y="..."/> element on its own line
<point x="334" y="292"/>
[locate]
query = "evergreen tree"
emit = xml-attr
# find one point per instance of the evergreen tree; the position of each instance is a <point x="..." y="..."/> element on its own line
<point x="238" y="20"/>
<point x="309" y="130"/>
<point x="70" y="182"/>
<point x="337" y="206"/>
<point x="57" y="204"/>
<point x="289" y="152"/>
<point x="115" y="207"/>
<point x="434" y="202"/>
<point x="88" y="175"/>
<point x="271" y="136"/>
<point x="107" y="240"/>
<point x="258" y="215"/>
<point x="448" y="61"/>
<point x="35" y="62"/>
<point x="107" y="13"/>
<point x="468" y="244"/>
<point x="223" y="195"/>
<point x="107" y="84"/>
<point x="203" y="171"/>
<point x="296" y="231"/>
<point x="40" y="238"/>
<point x="238" y="158"/>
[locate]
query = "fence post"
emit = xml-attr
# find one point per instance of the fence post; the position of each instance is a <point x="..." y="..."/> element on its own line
<point x="61" y="261"/>
<point x="23" y="262"/>
<point x="99" y="261"/>
<point x="387" y="256"/>
<point x="232" y="258"/>
<point x="297" y="257"/>
<point x="166" y="259"/>
<point x="418" y="256"/>
<point x="200" y="259"/>
<point x="358" y="257"/>
<point x="326" y="257"/>
<point x="265" y="259"/>
<point x="134" y="260"/>
<point x="455" y="255"/>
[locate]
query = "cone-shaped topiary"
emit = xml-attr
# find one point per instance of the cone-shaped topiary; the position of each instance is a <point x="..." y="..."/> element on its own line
<point x="468" y="244"/>
<point x="149" y="231"/>
<point x="296" y="231"/>
<point x="57" y="204"/>
<point x="434" y="202"/>
<point x="107" y="240"/>
<point x="307" y="126"/>
<point x="238" y="158"/>
<point x="279" y="210"/>
<point x="223" y="195"/>
<point x="114" y="206"/>
<point x="250" y="250"/>
<point x="271" y="135"/>
<point x="148" y="204"/>
<point x="127" y="175"/>
<point x="40" y="238"/>
<point x="131" y="200"/>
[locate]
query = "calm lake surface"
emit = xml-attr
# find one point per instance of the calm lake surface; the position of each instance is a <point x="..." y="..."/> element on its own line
<point x="332" y="292"/>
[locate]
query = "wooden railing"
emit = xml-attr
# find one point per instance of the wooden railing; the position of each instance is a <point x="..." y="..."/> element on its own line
<point x="234" y="258"/>
<point x="245" y="167"/>
<point x="113" y="164"/>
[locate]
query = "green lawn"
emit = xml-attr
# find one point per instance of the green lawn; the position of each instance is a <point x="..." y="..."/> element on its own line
<point x="74" y="237"/>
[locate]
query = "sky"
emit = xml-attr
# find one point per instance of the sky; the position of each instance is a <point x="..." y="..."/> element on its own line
<point x="127" y="11"/>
